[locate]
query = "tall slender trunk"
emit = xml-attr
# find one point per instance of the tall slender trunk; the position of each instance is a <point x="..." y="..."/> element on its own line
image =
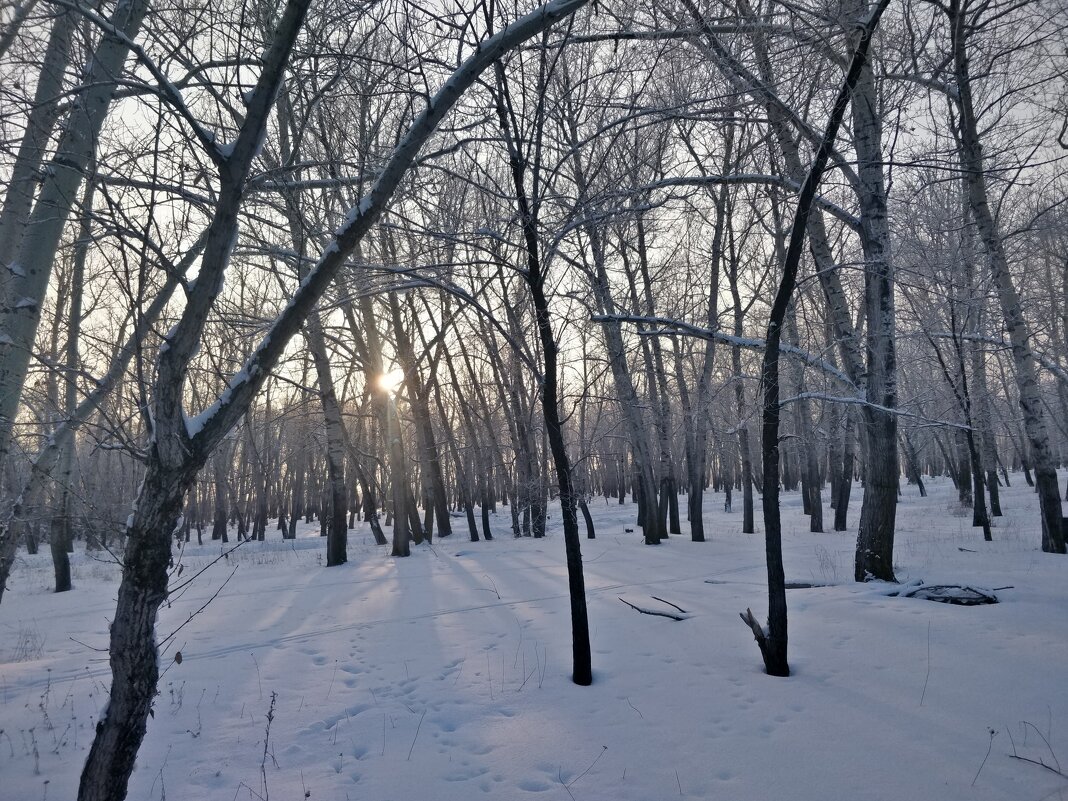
<point x="970" y="152"/>
<point x="748" y="521"/>
<point x="702" y="409"/>
<point x="845" y="480"/>
<point x="773" y="640"/>
<point x="40" y="236"/>
<point x="810" y="471"/>
<point x="62" y="532"/>
<point x="338" y="495"/>
<point x="550" y="403"/>
<point x="629" y="402"/>
<point x="988" y="446"/>
<point x="875" y="538"/>
<point x="669" y="500"/>
<point x="40" y="124"/>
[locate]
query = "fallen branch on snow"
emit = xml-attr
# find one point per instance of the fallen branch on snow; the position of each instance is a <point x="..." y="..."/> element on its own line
<point x="672" y="615"/>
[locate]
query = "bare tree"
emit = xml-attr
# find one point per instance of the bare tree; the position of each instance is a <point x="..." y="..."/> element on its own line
<point x="967" y="19"/>
<point x="180" y="445"/>
<point x="773" y="640"/>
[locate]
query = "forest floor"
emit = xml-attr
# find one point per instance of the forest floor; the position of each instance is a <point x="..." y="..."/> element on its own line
<point x="447" y="675"/>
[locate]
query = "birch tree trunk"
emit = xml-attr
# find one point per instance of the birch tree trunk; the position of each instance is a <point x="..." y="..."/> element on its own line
<point x="875" y="538"/>
<point x="39" y="238"/>
<point x="40" y="124"/>
<point x="970" y="151"/>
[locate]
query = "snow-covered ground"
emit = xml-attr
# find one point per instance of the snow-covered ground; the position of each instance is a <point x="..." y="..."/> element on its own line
<point x="446" y="675"/>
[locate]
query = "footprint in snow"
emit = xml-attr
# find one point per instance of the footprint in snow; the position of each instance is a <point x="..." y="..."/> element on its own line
<point x="534" y="785"/>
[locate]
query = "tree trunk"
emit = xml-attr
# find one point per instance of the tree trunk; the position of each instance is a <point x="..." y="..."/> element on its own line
<point x="748" y="518"/>
<point x="875" y="539"/>
<point x="630" y="405"/>
<point x="40" y="236"/>
<point x="582" y="673"/>
<point x="133" y="656"/>
<point x="845" y="480"/>
<point x="337" y="494"/>
<point x="971" y="159"/>
<point x="773" y="640"/>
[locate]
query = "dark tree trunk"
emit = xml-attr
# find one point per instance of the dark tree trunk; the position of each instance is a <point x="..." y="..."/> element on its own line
<point x="59" y="538"/>
<point x="773" y="641"/>
<point x="588" y="518"/>
<point x="580" y="630"/>
<point x="134" y="658"/>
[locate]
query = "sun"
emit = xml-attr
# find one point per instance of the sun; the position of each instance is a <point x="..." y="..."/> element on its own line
<point x="391" y="381"/>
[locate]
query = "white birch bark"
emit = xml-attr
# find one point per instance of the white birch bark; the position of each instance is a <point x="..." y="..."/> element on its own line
<point x="40" y="124"/>
<point x="39" y="237"/>
<point x="970" y="152"/>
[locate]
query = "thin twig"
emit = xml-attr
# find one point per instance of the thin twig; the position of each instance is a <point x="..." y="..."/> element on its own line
<point x="928" y="676"/>
<point x="1046" y="741"/>
<point x="560" y="778"/>
<point x="524" y="684"/>
<point x="259" y="679"/>
<point x="224" y="555"/>
<point x="1040" y="763"/>
<point x="417" y="728"/>
<point x="170" y="636"/>
<point x="990" y="745"/>
<point x="636" y="709"/>
<point x="603" y="749"/>
<point x="266" y="742"/>
<point x="331" y="685"/>
<point x="495" y="591"/>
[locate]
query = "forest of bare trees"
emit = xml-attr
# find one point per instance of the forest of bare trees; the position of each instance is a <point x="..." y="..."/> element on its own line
<point x="438" y="267"/>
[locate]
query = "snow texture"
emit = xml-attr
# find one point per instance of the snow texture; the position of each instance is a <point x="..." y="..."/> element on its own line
<point x="411" y="678"/>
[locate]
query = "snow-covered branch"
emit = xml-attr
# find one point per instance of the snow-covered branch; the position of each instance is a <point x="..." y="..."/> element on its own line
<point x="669" y="327"/>
<point x="859" y="401"/>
